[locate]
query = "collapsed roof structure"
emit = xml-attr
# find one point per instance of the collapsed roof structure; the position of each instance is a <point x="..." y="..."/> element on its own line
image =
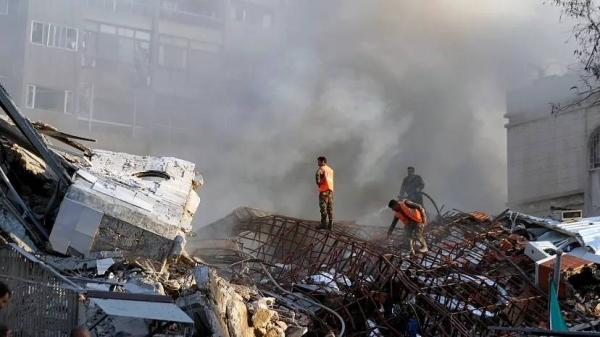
<point x="475" y="276"/>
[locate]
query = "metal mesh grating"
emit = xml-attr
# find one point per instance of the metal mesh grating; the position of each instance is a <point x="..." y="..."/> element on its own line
<point x="462" y="286"/>
<point x="41" y="304"/>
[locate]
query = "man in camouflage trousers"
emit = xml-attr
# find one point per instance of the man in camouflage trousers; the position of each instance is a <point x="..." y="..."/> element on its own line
<point x="324" y="179"/>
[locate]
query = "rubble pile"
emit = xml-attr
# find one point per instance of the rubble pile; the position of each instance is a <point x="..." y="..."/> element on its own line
<point x="104" y="239"/>
<point x="532" y="244"/>
<point x="98" y="238"/>
<point x="476" y="275"/>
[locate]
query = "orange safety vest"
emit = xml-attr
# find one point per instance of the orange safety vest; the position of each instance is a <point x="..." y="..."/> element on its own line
<point x="327" y="183"/>
<point x="408" y="214"/>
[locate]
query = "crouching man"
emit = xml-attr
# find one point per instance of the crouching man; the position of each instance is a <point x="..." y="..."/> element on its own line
<point x="414" y="218"/>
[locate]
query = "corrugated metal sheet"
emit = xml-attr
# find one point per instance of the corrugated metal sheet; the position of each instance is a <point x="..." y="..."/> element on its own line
<point x="585" y="231"/>
<point x="166" y="312"/>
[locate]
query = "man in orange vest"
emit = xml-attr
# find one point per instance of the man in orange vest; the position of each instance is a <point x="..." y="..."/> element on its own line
<point x="325" y="185"/>
<point x="414" y="218"/>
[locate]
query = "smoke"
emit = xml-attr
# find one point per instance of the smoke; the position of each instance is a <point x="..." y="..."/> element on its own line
<point x="376" y="86"/>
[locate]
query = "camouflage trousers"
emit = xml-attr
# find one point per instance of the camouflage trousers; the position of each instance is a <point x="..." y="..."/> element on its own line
<point x="414" y="231"/>
<point x="326" y="204"/>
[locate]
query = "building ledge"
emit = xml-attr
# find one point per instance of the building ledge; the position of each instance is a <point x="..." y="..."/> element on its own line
<point x="546" y="197"/>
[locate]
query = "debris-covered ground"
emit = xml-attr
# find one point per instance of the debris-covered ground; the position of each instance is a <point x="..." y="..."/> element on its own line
<point x="475" y="276"/>
<point x="104" y="239"/>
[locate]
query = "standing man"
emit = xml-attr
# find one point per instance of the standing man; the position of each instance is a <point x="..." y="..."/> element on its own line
<point x="412" y="186"/>
<point x="414" y="218"/>
<point x="325" y="184"/>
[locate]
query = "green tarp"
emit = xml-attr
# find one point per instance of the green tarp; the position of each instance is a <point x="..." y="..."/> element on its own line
<point x="557" y="322"/>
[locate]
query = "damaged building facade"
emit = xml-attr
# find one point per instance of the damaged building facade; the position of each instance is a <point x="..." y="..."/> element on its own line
<point x="120" y="66"/>
<point x="553" y="160"/>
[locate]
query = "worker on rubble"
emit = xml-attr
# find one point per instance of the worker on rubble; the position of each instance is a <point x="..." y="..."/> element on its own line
<point x="414" y="218"/>
<point x="412" y="185"/>
<point x="324" y="178"/>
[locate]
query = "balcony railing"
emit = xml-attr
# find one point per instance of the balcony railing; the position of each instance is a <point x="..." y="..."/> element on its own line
<point x="193" y="19"/>
<point x="122" y="6"/>
<point x="135" y="74"/>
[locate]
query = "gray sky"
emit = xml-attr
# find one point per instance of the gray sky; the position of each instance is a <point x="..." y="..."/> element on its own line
<point x="376" y="86"/>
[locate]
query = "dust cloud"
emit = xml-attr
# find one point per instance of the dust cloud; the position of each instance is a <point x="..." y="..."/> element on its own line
<point x="376" y="86"/>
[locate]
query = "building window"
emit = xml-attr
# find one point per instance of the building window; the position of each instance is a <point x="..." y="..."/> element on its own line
<point x="51" y="35"/>
<point x="595" y="150"/>
<point x="50" y="99"/>
<point x="30" y="103"/>
<point x="180" y="53"/>
<point x="172" y="52"/>
<point x="86" y="97"/>
<point x="253" y="14"/>
<point x="107" y="42"/>
<point x="135" y="7"/>
<point x="4" y="7"/>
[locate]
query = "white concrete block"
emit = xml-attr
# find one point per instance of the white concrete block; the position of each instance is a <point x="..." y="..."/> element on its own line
<point x="539" y="250"/>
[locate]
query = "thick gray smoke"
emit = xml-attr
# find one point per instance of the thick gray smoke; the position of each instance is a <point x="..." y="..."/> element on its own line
<point x="376" y="86"/>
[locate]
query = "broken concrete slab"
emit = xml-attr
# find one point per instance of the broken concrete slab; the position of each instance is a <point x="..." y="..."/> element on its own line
<point x="136" y="204"/>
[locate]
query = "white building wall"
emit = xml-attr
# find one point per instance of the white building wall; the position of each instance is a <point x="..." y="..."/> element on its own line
<point x="548" y="160"/>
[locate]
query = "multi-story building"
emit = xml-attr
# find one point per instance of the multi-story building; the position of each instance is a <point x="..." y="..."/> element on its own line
<point x="553" y="159"/>
<point x="131" y="67"/>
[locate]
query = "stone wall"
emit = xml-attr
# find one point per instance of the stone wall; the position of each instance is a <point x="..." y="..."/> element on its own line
<point x="548" y="160"/>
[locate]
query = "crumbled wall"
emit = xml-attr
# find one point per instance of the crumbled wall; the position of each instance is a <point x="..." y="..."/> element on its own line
<point x="133" y="241"/>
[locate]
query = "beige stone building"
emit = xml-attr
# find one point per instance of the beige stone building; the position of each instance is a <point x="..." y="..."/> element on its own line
<point x="553" y="160"/>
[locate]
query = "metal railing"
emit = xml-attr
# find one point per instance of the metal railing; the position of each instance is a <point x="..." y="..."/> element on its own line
<point x="193" y="19"/>
<point x="43" y="302"/>
<point x="122" y="6"/>
<point x="137" y="74"/>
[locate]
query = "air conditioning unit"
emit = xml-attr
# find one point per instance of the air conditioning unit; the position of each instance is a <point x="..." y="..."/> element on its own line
<point x="567" y="215"/>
